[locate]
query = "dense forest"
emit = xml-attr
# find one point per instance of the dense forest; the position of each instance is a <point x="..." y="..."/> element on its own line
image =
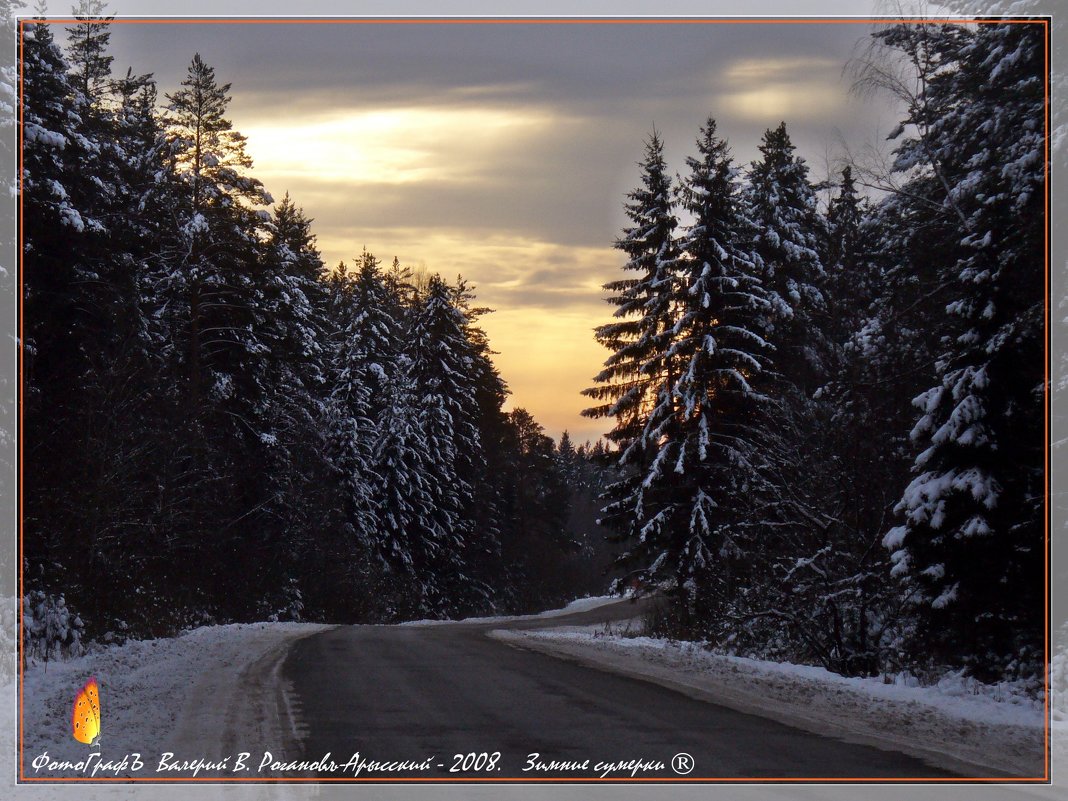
<point x="220" y="428"/>
<point x="830" y="416"/>
<point x="824" y="403"/>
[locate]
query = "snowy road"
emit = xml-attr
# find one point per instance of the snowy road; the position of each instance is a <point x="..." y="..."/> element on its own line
<point x="426" y="694"/>
<point x="500" y="698"/>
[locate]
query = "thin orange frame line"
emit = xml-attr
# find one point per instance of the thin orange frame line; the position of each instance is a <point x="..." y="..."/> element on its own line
<point x="22" y="21"/>
<point x="22" y="404"/>
<point x="1048" y="410"/>
<point x="579" y="779"/>
<point x="529" y="21"/>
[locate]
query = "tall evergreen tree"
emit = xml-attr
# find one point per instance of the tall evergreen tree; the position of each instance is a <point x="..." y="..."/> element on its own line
<point x="87" y="51"/>
<point x="485" y="470"/>
<point x="846" y="457"/>
<point x="441" y="365"/>
<point x="212" y="276"/>
<point x="971" y="542"/>
<point x="215" y="285"/>
<point x="365" y="362"/>
<point x="416" y="531"/>
<point x="639" y="371"/>
<point x="712" y="454"/>
<point x="787" y="240"/>
<point x="847" y="287"/>
<point x="55" y="227"/>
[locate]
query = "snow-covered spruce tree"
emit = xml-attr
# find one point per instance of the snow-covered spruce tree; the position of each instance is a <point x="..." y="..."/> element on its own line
<point x="787" y="235"/>
<point x="640" y="373"/>
<point x="887" y="361"/>
<point x="488" y="473"/>
<point x="290" y="380"/>
<point x="413" y="528"/>
<point x="54" y="226"/>
<point x="365" y="361"/>
<point x="90" y="76"/>
<point x="708" y="424"/>
<point x="848" y="283"/>
<point x="824" y="598"/>
<point x="338" y="557"/>
<point x="121" y="184"/>
<point x="970" y="548"/>
<point x="441" y="369"/>
<point x="833" y="574"/>
<point x="290" y="298"/>
<point x="789" y="611"/>
<point x="60" y="321"/>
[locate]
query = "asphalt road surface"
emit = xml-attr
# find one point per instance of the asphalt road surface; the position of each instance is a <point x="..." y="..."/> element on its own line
<point x="430" y="696"/>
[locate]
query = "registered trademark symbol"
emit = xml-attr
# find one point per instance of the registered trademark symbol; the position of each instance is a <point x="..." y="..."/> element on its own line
<point x="682" y="763"/>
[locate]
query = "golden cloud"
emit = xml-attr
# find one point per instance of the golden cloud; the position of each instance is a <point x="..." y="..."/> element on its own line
<point x="389" y="146"/>
<point x="774" y="102"/>
<point x="771" y="69"/>
<point x="769" y="90"/>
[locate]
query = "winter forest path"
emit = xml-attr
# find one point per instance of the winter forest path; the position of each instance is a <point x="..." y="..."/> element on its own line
<point x="436" y="692"/>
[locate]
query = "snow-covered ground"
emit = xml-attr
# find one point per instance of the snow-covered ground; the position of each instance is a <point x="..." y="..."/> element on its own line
<point x="215" y="690"/>
<point x="206" y="693"/>
<point x="580" y="605"/>
<point x="958" y="724"/>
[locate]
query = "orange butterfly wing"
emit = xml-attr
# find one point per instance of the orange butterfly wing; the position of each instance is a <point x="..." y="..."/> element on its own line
<point x="85" y="716"/>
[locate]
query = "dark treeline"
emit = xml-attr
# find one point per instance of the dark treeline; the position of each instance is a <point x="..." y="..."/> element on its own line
<point x="829" y="417"/>
<point x="219" y="428"/>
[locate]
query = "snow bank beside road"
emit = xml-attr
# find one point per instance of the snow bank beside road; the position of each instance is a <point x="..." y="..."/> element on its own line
<point x="581" y="605"/>
<point x="213" y="689"/>
<point x="973" y="734"/>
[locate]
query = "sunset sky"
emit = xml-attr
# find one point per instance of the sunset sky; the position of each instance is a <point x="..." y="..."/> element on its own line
<point x="503" y="152"/>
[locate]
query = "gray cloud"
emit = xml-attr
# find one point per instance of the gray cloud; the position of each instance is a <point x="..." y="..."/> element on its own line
<point x="598" y="68"/>
<point x="529" y="213"/>
<point x="611" y="82"/>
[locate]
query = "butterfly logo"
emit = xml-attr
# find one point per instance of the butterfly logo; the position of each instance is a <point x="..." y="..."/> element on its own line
<point x="85" y="717"/>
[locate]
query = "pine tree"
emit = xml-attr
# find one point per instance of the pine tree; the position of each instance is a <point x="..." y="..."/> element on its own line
<point x="87" y="46"/>
<point x="214" y="285"/>
<point x="639" y="373"/>
<point x="213" y="273"/>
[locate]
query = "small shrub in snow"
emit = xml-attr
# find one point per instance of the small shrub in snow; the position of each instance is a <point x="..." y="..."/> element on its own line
<point x="50" y="629"/>
<point x="287" y="606"/>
